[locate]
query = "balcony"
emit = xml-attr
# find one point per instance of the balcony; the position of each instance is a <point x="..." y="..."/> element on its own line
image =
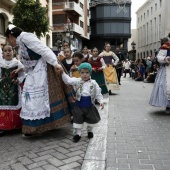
<point x="63" y="28"/>
<point x="68" y="6"/>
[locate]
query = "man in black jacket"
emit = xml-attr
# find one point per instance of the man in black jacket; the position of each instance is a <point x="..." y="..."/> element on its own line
<point x="120" y="63"/>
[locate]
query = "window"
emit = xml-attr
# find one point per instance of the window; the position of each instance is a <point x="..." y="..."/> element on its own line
<point x="81" y="5"/>
<point x="160" y="3"/>
<point x="151" y="31"/>
<point x="147" y="32"/>
<point x="113" y="28"/>
<point x="147" y="13"/>
<point x="2" y="25"/>
<point x="81" y="24"/>
<point x="151" y="10"/>
<point x="159" y="27"/>
<point x="155" y="7"/>
<point x="58" y="19"/>
<point x="155" y="26"/>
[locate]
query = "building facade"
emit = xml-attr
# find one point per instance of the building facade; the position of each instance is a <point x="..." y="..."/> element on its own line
<point x="152" y="25"/>
<point x="110" y="24"/>
<point x="70" y="16"/>
<point x="6" y="16"/>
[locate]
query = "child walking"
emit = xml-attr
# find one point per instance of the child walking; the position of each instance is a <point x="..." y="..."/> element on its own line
<point x="78" y="59"/>
<point x="87" y="90"/>
<point x="10" y="103"/>
<point x="98" y="65"/>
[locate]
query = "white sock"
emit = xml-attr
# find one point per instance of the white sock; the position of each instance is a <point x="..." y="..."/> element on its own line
<point x="78" y="131"/>
<point x="89" y="129"/>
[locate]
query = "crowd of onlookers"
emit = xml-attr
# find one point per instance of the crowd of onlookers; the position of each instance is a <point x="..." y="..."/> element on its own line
<point x="141" y="69"/>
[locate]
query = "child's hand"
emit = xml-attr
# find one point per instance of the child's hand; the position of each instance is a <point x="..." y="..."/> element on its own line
<point x="94" y="70"/>
<point x="15" y="81"/>
<point x="14" y="72"/>
<point x="102" y="106"/>
<point x="100" y="69"/>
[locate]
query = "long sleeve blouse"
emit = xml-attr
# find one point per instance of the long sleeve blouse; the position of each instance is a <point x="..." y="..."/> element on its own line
<point x="85" y="87"/>
<point x="32" y="42"/>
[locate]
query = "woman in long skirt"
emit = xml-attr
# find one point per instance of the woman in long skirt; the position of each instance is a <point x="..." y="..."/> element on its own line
<point x="160" y="96"/>
<point x="111" y="61"/>
<point x="46" y="100"/>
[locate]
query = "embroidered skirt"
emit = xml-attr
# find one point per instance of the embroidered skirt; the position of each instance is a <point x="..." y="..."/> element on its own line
<point x="159" y="93"/>
<point x="111" y="77"/>
<point x="100" y="79"/>
<point x="60" y="99"/>
<point x="85" y="112"/>
<point x="10" y="119"/>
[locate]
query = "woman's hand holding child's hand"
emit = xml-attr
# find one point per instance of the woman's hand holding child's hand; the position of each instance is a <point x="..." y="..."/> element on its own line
<point x="101" y="106"/>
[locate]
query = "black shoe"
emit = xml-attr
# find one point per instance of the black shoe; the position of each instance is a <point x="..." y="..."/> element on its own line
<point x="2" y="133"/>
<point x="119" y="83"/>
<point x="90" y="135"/>
<point x="76" y="138"/>
<point x="167" y="110"/>
<point x="110" y="93"/>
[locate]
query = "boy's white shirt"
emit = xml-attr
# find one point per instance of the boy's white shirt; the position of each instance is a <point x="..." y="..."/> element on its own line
<point x="85" y="87"/>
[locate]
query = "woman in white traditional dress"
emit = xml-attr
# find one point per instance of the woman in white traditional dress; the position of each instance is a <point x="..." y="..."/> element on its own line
<point x="45" y="105"/>
<point x="160" y="96"/>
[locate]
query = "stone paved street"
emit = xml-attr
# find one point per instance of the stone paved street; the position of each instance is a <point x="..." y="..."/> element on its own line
<point x="138" y="134"/>
<point x="52" y="151"/>
<point x="132" y="136"/>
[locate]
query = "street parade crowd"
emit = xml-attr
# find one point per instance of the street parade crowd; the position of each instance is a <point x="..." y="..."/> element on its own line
<point x="40" y="91"/>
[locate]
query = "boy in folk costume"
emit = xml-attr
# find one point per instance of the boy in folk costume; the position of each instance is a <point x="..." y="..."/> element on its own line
<point x="98" y="65"/>
<point x="87" y="90"/>
<point x="10" y="92"/>
<point x="111" y="61"/>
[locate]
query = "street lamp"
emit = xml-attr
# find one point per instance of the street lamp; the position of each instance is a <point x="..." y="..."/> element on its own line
<point x="69" y="32"/>
<point x="133" y="44"/>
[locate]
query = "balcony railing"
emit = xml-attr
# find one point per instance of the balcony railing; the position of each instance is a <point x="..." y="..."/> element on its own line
<point x="68" y="6"/>
<point x="63" y="28"/>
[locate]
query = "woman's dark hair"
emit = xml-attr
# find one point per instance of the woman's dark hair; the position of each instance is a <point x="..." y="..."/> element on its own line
<point x="15" y="32"/>
<point x="78" y="54"/>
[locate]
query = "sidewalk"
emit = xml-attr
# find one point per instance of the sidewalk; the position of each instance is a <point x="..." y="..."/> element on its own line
<point x="138" y="134"/>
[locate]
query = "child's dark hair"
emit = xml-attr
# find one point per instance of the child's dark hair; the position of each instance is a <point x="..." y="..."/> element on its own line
<point x="68" y="49"/>
<point x="6" y="45"/>
<point x="93" y="49"/>
<point x="78" y="54"/>
<point x="15" y="32"/>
